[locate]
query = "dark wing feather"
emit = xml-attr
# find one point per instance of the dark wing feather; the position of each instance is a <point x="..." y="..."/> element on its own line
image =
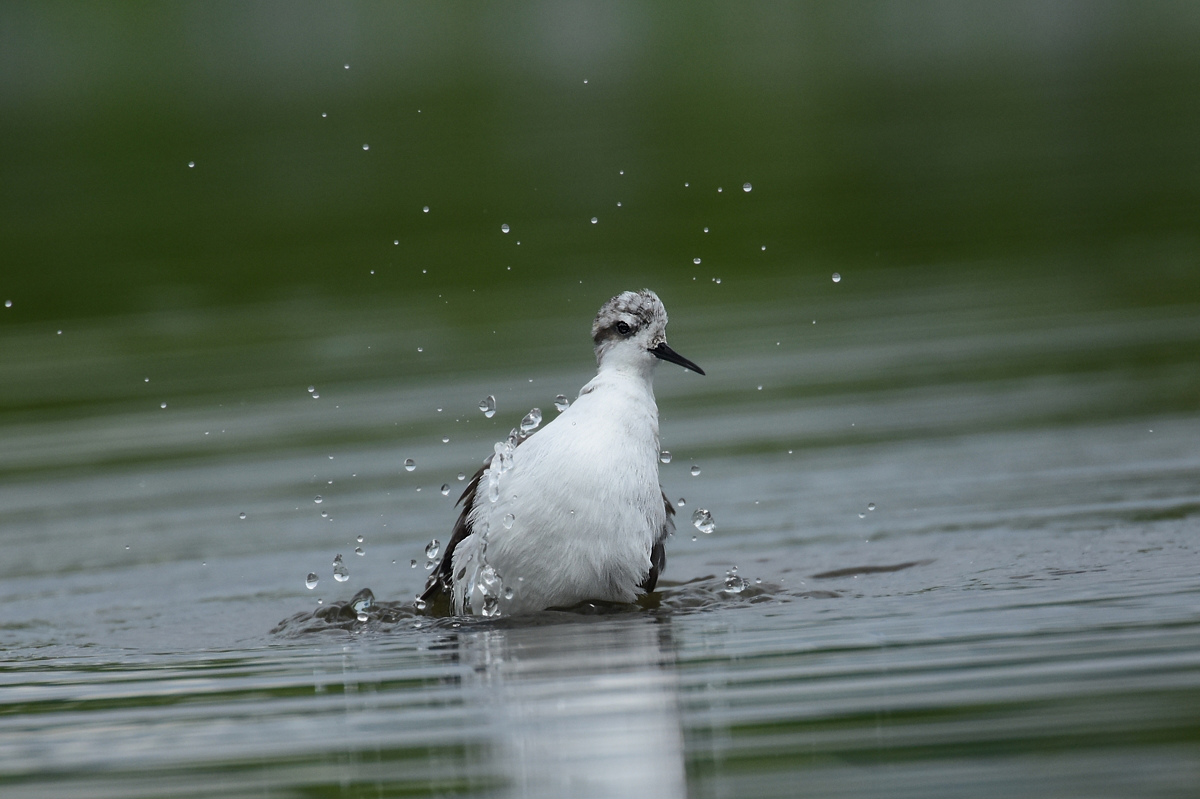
<point x="658" y="554"/>
<point x="440" y="585"/>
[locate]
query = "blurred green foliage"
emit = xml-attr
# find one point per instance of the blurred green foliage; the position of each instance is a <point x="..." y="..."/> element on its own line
<point x="873" y="134"/>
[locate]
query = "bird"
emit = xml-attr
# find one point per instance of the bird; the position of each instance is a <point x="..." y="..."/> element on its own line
<point x="573" y="512"/>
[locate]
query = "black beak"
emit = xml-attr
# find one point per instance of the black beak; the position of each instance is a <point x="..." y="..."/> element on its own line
<point x="665" y="353"/>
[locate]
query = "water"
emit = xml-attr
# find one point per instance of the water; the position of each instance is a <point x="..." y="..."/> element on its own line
<point x="531" y="421"/>
<point x="1018" y="616"/>
<point x="963" y="291"/>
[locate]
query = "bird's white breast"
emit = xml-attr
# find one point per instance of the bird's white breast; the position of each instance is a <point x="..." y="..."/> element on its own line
<point x="576" y="515"/>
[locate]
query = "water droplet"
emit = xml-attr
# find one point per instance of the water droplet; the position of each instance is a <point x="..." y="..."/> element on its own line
<point x="594" y="220"/>
<point x="316" y="396"/>
<point x="324" y="115"/>
<point x="488" y="406"/>
<point x="681" y="502"/>
<point x="340" y="572"/>
<point x="462" y="476"/>
<point x="695" y="470"/>
<point x="324" y="514"/>
<point x="561" y="403"/>
<point x="395" y="242"/>
<point x="420" y="349"/>
<point x="837" y="278"/>
<point x="310" y="582"/>
<point x="870" y="506"/>
<point x="360" y="539"/>
<point x="425" y="210"/>
<point x="531" y="421"/>
<point x="696" y="261"/>
<point x="366" y="147"/>
<point x="412" y="564"/>
<point x="733" y="583"/>
<point x="409" y="464"/>
<point x="719" y="190"/>
<point x="746" y="187"/>
<point x="362" y="617"/>
<point x="359" y="551"/>
<point x="665" y="456"/>
<point x="508" y="593"/>
<point x="862" y="515"/>
<point x="191" y="164"/>
<point x="504" y="228"/>
<point x="318" y="499"/>
<point x="433" y="548"/>
<point x="702" y="520"/>
<point x="706" y="229"/>
<point x="429" y="564"/>
<point x="419" y="603"/>
<point x="764" y="248"/>
<point x="241" y="515"/>
<point x="347" y="66"/>
<point x="508" y="521"/>
<point x="163" y="405"/>
<point x="311" y="389"/>
<point x="445" y="489"/>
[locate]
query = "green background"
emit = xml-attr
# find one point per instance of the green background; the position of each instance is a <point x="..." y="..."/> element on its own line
<point x="1019" y="137"/>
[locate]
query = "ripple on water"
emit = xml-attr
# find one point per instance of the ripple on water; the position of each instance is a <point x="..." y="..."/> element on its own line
<point x="709" y="593"/>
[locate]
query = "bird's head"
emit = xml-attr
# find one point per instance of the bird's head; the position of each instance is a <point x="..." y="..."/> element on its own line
<point x="630" y="334"/>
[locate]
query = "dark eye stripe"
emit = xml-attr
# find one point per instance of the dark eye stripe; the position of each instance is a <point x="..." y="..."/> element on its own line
<point x="617" y="329"/>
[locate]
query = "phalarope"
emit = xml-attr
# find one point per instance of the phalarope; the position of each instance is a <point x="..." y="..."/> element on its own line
<point x="574" y="511"/>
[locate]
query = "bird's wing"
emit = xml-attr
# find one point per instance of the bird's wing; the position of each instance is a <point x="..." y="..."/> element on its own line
<point x="658" y="554"/>
<point x="439" y="588"/>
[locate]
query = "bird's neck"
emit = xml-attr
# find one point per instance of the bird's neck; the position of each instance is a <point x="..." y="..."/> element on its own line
<point x="637" y="372"/>
<point x="623" y="378"/>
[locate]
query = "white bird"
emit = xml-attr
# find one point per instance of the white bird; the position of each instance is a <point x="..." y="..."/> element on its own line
<point x="575" y="511"/>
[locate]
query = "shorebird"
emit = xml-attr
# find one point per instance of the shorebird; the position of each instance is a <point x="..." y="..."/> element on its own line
<point x="574" y="511"/>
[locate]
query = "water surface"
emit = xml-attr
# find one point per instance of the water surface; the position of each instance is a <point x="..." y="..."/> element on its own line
<point x="1017" y="614"/>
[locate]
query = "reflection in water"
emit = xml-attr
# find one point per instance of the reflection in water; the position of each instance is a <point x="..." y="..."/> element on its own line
<point x="580" y="708"/>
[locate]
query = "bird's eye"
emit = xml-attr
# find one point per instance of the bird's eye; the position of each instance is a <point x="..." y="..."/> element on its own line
<point x="623" y="328"/>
